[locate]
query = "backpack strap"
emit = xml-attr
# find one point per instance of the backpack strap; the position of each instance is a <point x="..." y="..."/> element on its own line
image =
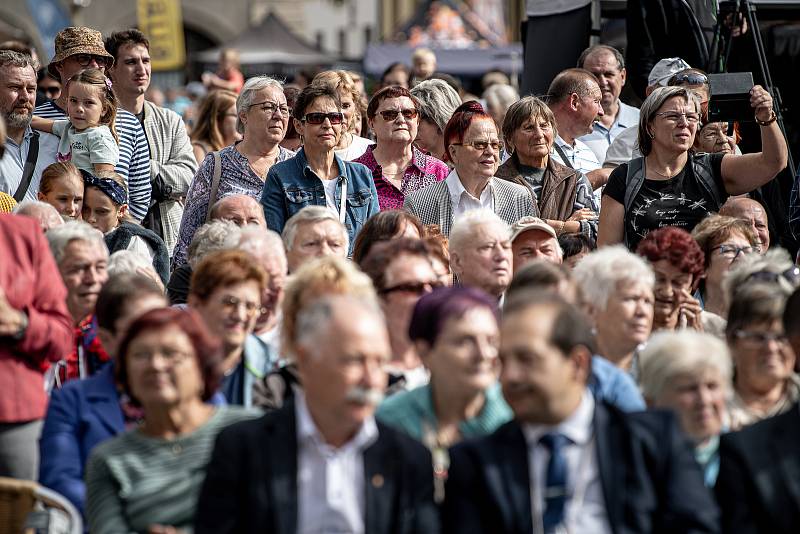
<point x="633" y="184"/>
<point x="702" y="171"/>
<point x="212" y="198"/>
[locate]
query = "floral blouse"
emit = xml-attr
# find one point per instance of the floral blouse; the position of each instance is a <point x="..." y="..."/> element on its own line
<point x="423" y="171"/>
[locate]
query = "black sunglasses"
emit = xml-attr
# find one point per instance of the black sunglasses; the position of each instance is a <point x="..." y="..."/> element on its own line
<point x="84" y="60"/>
<point x="416" y="288"/>
<point x="319" y="118"/>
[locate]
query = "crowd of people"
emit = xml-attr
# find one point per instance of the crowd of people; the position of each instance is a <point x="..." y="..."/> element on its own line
<point x="302" y="307"/>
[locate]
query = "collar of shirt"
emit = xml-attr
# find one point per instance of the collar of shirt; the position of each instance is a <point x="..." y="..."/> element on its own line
<point x="308" y="172"/>
<point x="627" y="116"/>
<point x="25" y="137"/>
<point x="308" y="433"/>
<point x="457" y="190"/>
<point x="577" y="427"/>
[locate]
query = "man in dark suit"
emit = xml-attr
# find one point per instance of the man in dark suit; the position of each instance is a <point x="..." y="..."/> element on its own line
<point x="322" y="462"/>
<point x="588" y="466"/>
<point x="758" y="487"/>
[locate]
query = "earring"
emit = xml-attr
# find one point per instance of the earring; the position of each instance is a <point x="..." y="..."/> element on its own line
<point x="652" y="135"/>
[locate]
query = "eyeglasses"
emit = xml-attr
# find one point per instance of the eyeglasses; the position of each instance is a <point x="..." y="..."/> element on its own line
<point x="232" y="304"/>
<point x="51" y="91"/>
<point x="84" y="60"/>
<point x="674" y="116"/>
<point x="415" y="288"/>
<point x="760" y="338"/>
<point x="319" y="118"/>
<point x="390" y="115"/>
<point x="732" y="252"/>
<point x="481" y="145"/>
<point x="792" y="275"/>
<point x="170" y="356"/>
<point x="688" y="78"/>
<point x="270" y="108"/>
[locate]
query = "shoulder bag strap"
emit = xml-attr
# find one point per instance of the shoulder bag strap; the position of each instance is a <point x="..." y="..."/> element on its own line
<point x="212" y="198"/>
<point x="563" y="155"/>
<point x="30" y="165"/>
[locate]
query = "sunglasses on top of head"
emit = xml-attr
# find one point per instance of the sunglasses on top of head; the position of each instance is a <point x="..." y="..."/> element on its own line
<point x="319" y="118"/>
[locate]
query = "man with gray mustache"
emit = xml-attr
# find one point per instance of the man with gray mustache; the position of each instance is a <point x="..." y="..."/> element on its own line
<point x="322" y="463"/>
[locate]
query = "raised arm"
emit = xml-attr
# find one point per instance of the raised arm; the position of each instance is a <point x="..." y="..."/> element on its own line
<point x="744" y="173"/>
<point x="43" y="125"/>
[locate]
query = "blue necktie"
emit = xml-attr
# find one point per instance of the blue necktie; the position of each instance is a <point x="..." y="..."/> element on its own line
<point x="555" y="487"/>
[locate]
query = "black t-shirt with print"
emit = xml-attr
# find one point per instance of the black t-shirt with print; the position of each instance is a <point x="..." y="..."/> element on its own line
<point x="680" y="201"/>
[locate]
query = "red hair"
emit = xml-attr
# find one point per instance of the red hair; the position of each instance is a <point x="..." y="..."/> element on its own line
<point x="677" y="247"/>
<point x="207" y="348"/>
<point x="462" y="118"/>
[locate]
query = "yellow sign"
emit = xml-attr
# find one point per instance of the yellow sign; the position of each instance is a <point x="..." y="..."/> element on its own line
<point x="161" y="21"/>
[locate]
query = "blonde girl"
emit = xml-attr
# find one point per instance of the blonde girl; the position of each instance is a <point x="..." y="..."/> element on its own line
<point x="105" y="207"/>
<point x="61" y="186"/>
<point x="88" y="138"/>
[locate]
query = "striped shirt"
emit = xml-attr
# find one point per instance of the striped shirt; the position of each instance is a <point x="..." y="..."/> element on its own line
<point x="134" y="154"/>
<point x="134" y="481"/>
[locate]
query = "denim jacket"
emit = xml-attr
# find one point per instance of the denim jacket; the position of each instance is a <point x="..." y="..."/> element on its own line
<point x="291" y="186"/>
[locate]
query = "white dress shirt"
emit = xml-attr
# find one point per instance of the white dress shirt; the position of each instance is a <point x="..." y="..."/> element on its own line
<point x="462" y="201"/>
<point x="330" y="481"/>
<point x="585" y="509"/>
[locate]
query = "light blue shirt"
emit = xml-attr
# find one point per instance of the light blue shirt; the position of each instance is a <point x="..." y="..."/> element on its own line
<point x="601" y="137"/>
<point x="13" y="163"/>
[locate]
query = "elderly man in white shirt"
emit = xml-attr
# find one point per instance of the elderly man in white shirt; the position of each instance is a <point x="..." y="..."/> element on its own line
<point x="569" y="462"/>
<point x="321" y="463"/>
<point x="608" y="66"/>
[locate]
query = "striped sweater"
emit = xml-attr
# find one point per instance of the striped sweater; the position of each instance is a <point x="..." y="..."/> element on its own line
<point x="134" y="481"/>
<point x="134" y="155"/>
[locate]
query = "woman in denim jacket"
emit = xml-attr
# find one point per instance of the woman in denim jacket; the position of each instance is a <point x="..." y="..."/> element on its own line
<point x="316" y="175"/>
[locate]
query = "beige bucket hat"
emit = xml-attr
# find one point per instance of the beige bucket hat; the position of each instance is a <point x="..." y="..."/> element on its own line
<point x="78" y="40"/>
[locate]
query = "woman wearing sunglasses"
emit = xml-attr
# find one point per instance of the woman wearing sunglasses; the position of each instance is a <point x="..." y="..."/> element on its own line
<point x="398" y="167"/>
<point x="670" y="186"/>
<point x="472" y="143"/>
<point x="316" y="175"/>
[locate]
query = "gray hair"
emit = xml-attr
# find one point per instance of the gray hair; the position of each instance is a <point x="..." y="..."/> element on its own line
<point x="310" y="214"/>
<point x="128" y="262"/>
<point x="464" y="227"/>
<point x="524" y="109"/>
<point x="437" y="101"/>
<point x="61" y="236"/>
<point x="315" y="318"/>
<point x="650" y="107"/>
<point x="775" y="260"/>
<point x="41" y="211"/>
<point x="249" y="90"/>
<point x="499" y="96"/>
<point x="11" y="58"/>
<point x="668" y="354"/>
<point x="211" y="237"/>
<point x="262" y="243"/>
<point x="599" y="273"/>
<point x="592" y="50"/>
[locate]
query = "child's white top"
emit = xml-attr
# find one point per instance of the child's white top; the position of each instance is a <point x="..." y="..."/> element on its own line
<point x="84" y="149"/>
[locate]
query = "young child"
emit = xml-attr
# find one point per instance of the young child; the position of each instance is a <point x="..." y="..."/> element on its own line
<point x="105" y="207"/>
<point x="61" y="186"/>
<point x="88" y="139"/>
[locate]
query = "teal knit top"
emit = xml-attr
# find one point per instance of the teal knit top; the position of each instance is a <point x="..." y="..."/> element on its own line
<point x="411" y="411"/>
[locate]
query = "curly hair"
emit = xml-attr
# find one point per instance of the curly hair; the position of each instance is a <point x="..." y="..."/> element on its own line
<point x="677" y="247"/>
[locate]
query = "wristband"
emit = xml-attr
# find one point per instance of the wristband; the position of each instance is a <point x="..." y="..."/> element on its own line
<point x="772" y="118"/>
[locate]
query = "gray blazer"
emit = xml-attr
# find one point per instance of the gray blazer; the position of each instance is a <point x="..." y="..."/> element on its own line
<point x="432" y="204"/>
